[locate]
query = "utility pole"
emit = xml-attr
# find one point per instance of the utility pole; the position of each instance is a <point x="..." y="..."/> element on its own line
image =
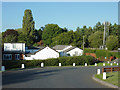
<point x="106" y="24"/>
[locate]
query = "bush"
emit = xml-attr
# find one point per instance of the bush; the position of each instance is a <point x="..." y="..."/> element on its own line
<point x="65" y="61"/>
<point x="101" y="53"/>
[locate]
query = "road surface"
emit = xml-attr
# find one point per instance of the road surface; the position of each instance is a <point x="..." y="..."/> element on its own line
<point x="52" y="77"/>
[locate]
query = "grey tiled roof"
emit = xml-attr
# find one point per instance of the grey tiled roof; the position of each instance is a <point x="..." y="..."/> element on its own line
<point x="69" y="49"/>
<point x="60" y="47"/>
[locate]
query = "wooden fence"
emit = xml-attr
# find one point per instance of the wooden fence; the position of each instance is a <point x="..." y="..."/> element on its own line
<point x="111" y="69"/>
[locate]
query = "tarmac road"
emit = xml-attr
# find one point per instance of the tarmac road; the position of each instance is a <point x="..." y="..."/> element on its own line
<point x="52" y="77"/>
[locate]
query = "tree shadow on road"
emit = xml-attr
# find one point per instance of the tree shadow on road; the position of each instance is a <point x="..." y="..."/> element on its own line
<point x="28" y="75"/>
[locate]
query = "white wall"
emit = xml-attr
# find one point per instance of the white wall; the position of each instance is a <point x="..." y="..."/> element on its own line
<point x="14" y="47"/>
<point x="73" y="52"/>
<point x="45" y="54"/>
<point x="28" y="58"/>
<point x="59" y="50"/>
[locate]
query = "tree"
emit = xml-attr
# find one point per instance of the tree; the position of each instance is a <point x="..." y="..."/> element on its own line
<point x="112" y="42"/>
<point x="98" y="27"/>
<point x="10" y="39"/>
<point x="38" y="34"/>
<point x="50" y="31"/>
<point x="28" y="27"/>
<point x="9" y="36"/>
<point x="67" y="38"/>
<point x="96" y="39"/>
<point x="10" y="32"/>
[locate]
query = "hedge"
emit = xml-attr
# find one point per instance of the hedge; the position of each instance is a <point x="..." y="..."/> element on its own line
<point x="101" y="53"/>
<point x="65" y="61"/>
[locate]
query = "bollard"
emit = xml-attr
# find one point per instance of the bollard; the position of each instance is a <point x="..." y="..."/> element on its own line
<point x="23" y="66"/>
<point x="117" y="63"/>
<point x="59" y="64"/>
<point x="85" y="64"/>
<point x="3" y="68"/>
<point x="111" y="64"/>
<point x="73" y="64"/>
<point x="98" y="71"/>
<point x="104" y="75"/>
<point x="95" y="64"/>
<point x="103" y="64"/>
<point x="42" y="64"/>
<point x="108" y="62"/>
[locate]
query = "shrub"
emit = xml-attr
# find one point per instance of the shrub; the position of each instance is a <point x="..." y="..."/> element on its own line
<point x="101" y="53"/>
<point x="65" y="61"/>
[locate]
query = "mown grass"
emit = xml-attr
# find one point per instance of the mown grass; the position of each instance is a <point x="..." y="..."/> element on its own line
<point x="106" y="64"/>
<point x="111" y="77"/>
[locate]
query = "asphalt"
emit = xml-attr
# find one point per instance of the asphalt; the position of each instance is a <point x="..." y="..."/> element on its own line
<point x="52" y="77"/>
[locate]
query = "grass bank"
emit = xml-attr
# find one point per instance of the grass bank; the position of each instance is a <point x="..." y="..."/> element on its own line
<point x="111" y="77"/>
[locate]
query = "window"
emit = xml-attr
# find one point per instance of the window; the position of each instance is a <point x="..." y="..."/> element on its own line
<point x="17" y="56"/>
<point x="7" y="56"/>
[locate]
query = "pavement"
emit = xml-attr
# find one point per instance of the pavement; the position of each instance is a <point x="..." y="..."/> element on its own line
<point x="52" y="77"/>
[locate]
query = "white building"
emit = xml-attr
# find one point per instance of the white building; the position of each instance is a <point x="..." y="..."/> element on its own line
<point x="13" y="51"/>
<point x="44" y="53"/>
<point x="66" y="50"/>
<point x="14" y="47"/>
<point x="74" y="51"/>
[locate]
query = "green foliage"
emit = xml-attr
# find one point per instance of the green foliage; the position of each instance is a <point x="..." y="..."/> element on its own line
<point x="101" y="53"/>
<point x="10" y="36"/>
<point x="10" y="39"/>
<point x="112" y="42"/>
<point x="67" y="38"/>
<point x="28" y="27"/>
<point x="50" y="31"/>
<point x="65" y="61"/>
<point x="96" y="39"/>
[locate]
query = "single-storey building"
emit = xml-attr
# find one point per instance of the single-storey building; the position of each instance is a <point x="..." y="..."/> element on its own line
<point x="68" y="50"/>
<point x="74" y="51"/>
<point x="43" y="53"/>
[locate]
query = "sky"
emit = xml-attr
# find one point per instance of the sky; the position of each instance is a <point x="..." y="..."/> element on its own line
<point x="66" y="14"/>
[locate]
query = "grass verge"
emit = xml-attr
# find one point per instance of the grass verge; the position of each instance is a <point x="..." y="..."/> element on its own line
<point x="111" y="77"/>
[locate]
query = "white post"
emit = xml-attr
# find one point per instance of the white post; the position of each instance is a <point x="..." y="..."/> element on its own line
<point x="59" y="64"/>
<point x="117" y="63"/>
<point x="42" y="64"/>
<point x="3" y="68"/>
<point x="95" y="64"/>
<point x="23" y="66"/>
<point x="114" y="62"/>
<point x="73" y="64"/>
<point x="103" y="64"/>
<point x="98" y="71"/>
<point x="104" y="75"/>
<point x="108" y="62"/>
<point x="111" y="64"/>
<point x="85" y="64"/>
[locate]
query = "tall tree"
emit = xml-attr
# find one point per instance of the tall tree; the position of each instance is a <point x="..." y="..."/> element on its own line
<point x="50" y="31"/>
<point x="28" y="26"/>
